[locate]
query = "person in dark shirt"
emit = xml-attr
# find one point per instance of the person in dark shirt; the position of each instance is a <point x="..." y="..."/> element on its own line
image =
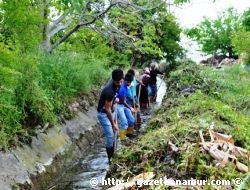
<point x="143" y="99"/>
<point x="145" y="77"/>
<point x="105" y="110"/>
<point x="152" y="88"/>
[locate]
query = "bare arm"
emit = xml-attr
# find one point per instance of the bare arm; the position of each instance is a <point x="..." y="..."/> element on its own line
<point x="159" y="72"/>
<point x="125" y="103"/>
<point x="139" y="81"/>
<point x="108" y="105"/>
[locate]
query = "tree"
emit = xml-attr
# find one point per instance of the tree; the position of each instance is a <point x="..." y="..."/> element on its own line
<point x="215" y="36"/>
<point x="51" y="22"/>
<point x="152" y="33"/>
<point x="246" y="20"/>
<point x="74" y="15"/>
<point x="19" y="24"/>
<point x="241" y="38"/>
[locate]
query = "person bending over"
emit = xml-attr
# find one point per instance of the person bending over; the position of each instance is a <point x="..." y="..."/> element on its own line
<point x="152" y="88"/>
<point x="105" y="110"/>
<point x="125" y="116"/>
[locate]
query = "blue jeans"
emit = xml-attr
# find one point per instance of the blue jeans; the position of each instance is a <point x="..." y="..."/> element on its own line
<point x="152" y="90"/>
<point x="125" y="116"/>
<point x="107" y="129"/>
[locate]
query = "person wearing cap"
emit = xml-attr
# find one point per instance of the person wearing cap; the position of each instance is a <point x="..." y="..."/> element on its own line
<point x="105" y="110"/>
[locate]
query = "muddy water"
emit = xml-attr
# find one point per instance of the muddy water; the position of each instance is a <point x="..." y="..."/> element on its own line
<point x="95" y="163"/>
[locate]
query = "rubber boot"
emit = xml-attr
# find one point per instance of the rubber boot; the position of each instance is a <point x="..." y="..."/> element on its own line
<point x="138" y="124"/>
<point x="130" y="132"/>
<point x="151" y="99"/>
<point x="110" y="153"/>
<point x="144" y="107"/>
<point x="123" y="134"/>
<point x="124" y="141"/>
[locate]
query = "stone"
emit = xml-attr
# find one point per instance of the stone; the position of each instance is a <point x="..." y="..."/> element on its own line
<point x="228" y="61"/>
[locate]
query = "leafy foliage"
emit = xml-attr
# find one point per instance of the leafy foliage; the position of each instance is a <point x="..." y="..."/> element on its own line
<point x="93" y="44"/>
<point x="36" y="89"/>
<point x="20" y="24"/>
<point x="241" y="38"/>
<point x="215" y="36"/>
<point x="246" y="20"/>
<point x="216" y="100"/>
<point x="155" y="32"/>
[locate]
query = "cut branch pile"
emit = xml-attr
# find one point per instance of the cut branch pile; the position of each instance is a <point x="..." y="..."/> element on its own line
<point x="222" y="149"/>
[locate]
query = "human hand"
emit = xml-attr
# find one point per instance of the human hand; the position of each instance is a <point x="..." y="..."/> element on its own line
<point x="114" y="127"/>
<point x="116" y="100"/>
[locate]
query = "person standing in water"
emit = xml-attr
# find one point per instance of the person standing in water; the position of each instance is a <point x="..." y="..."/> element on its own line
<point x="105" y="111"/>
<point x="152" y="88"/>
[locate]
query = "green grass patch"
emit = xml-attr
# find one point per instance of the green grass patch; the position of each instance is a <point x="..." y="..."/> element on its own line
<point x="36" y="89"/>
<point x="219" y="98"/>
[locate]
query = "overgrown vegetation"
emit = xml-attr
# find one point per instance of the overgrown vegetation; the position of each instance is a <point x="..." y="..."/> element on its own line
<point x="215" y="36"/>
<point x="241" y="38"/>
<point x="228" y="34"/>
<point x="198" y="98"/>
<point x="36" y="89"/>
<point x="52" y="51"/>
<point x="155" y="32"/>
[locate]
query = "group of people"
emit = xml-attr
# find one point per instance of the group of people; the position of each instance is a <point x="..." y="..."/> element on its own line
<point x="119" y="104"/>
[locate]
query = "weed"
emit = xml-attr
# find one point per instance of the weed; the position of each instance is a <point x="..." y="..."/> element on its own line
<point x="216" y="99"/>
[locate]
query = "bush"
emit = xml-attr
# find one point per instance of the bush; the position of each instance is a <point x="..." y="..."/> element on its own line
<point x="241" y="43"/>
<point x="66" y="75"/>
<point x="30" y="96"/>
<point x="35" y="89"/>
<point x="220" y="99"/>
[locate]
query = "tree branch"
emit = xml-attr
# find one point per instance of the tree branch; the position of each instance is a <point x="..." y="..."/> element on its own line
<point x="120" y="38"/>
<point x="95" y="17"/>
<point x="62" y="39"/>
<point x="57" y="21"/>
<point x="85" y="20"/>
<point x="59" y="28"/>
<point x="80" y="24"/>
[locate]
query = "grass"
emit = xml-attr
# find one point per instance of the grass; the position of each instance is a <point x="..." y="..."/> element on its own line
<point x="36" y="89"/>
<point x="221" y="98"/>
<point x="233" y="86"/>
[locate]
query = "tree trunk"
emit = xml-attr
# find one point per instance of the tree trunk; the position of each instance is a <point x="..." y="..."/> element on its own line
<point x="230" y="52"/>
<point x="65" y="37"/>
<point x="44" y="11"/>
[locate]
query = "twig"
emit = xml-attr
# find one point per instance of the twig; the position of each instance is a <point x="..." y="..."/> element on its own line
<point x="53" y="187"/>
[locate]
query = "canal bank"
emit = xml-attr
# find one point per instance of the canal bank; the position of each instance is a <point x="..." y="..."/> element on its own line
<point x="197" y="112"/>
<point x="40" y="164"/>
<point x="95" y="164"/>
<point x="65" y="157"/>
